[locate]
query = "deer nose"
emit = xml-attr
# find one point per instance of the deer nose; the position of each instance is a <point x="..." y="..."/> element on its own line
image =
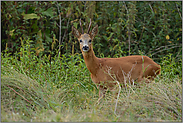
<point x="85" y="48"/>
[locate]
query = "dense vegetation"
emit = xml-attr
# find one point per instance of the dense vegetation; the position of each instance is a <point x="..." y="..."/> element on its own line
<point x="43" y="74"/>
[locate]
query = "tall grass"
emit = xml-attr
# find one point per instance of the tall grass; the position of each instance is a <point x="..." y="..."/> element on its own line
<point x="59" y="89"/>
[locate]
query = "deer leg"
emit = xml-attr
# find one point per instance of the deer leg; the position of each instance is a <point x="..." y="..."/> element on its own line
<point x="142" y="78"/>
<point x="101" y="94"/>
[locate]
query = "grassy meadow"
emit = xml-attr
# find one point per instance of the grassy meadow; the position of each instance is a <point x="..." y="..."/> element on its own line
<point x="59" y="89"/>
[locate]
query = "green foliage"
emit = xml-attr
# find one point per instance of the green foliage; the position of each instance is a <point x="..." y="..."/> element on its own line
<point x="171" y="67"/>
<point x="59" y="89"/>
<point x="35" y="80"/>
<point x="56" y="71"/>
<point x="153" y="27"/>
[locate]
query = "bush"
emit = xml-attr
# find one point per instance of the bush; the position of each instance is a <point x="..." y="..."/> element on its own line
<point x="153" y="28"/>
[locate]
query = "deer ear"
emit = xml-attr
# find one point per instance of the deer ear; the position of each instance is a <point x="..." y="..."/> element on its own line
<point x="75" y="32"/>
<point x="94" y="31"/>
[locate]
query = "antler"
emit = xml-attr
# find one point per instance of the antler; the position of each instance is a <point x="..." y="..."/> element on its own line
<point x="89" y="26"/>
<point x="81" y="26"/>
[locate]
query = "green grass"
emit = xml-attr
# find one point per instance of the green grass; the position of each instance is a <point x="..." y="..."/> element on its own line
<point x="35" y="89"/>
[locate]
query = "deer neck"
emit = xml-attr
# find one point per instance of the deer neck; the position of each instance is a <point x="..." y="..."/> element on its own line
<point x="91" y="61"/>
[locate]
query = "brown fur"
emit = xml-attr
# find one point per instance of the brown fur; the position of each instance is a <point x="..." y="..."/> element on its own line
<point x="104" y="71"/>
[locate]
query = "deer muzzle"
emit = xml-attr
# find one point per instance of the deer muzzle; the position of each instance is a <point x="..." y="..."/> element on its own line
<point x="85" y="48"/>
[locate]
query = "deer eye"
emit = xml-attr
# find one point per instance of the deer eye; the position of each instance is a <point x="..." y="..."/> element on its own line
<point x="80" y="41"/>
<point x="89" y="41"/>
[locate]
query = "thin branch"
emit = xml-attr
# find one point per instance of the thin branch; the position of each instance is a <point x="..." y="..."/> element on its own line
<point x="65" y="31"/>
<point x="159" y="48"/>
<point x="151" y="8"/>
<point x="60" y="25"/>
<point x="117" y="96"/>
<point x="18" y="94"/>
<point x="142" y="32"/>
<point x="178" y="53"/>
<point x="129" y="34"/>
<point x="178" y="10"/>
<point x="165" y="49"/>
<point x="61" y="20"/>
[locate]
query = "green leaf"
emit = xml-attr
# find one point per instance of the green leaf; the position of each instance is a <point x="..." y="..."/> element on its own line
<point x="48" y="12"/>
<point x="75" y="25"/>
<point x="30" y="16"/>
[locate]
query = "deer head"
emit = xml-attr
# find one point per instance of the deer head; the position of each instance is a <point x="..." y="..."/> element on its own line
<point x="85" y="39"/>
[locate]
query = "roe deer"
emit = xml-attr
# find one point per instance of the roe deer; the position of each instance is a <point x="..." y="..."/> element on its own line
<point x="105" y="70"/>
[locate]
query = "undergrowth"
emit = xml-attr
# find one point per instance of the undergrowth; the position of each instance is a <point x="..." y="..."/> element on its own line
<point x="59" y="89"/>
